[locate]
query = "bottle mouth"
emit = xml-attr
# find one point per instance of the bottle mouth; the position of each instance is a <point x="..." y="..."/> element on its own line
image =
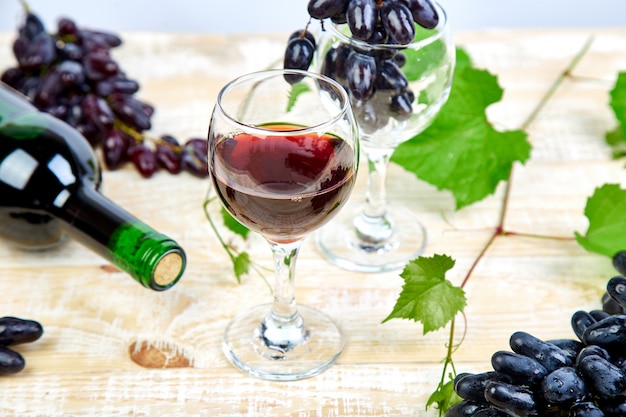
<point x="168" y="270"/>
<point x="153" y="259"/>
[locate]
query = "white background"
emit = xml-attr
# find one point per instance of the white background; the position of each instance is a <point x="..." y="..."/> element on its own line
<point x="231" y="16"/>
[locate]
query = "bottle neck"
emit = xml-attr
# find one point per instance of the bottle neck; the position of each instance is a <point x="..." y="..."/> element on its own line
<point x="151" y="258"/>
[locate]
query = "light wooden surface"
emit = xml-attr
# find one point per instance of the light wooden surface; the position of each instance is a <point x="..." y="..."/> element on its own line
<point x="82" y="366"/>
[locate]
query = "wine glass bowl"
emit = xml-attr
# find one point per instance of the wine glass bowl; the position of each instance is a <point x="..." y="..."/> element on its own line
<point x="283" y="158"/>
<point x="396" y="91"/>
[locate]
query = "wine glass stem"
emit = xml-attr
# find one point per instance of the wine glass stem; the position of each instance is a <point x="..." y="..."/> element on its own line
<point x="282" y="332"/>
<point x="376" y="195"/>
<point x="372" y="226"/>
<point x="285" y="255"/>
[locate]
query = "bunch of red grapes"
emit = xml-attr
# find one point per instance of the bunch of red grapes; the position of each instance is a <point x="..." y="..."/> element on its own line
<point x="72" y="75"/>
<point x="371" y="75"/>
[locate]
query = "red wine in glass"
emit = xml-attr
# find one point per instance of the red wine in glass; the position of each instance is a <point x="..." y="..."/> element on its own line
<point x="282" y="186"/>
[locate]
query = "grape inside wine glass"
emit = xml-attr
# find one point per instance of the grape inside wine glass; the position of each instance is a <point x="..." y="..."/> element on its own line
<point x="411" y="84"/>
<point x="283" y="158"/>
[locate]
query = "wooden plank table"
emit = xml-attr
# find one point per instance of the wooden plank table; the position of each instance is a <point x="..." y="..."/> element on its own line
<point x="92" y="316"/>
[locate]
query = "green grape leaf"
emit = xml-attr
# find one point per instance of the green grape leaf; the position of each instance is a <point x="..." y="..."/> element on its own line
<point x="296" y="90"/>
<point x="241" y="265"/>
<point x="617" y="137"/>
<point x="423" y="60"/>
<point x="607" y="223"/>
<point x="461" y="151"/>
<point x="462" y="58"/>
<point x="426" y="295"/>
<point x="617" y="141"/>
<point x="618" y="100"/>
<point x="233" y="225"/>
<point x="444" y="397"/>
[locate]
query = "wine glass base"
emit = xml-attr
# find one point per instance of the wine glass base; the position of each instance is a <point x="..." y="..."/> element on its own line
<point x="318" y="346"/>
<point x="339" y="243"/>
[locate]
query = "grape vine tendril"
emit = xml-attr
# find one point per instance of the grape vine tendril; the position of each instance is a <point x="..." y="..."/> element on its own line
<point x="232" y="252"/>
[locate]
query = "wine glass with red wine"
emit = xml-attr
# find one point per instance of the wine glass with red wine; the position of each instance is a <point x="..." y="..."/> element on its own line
<point x="283" y="158"/>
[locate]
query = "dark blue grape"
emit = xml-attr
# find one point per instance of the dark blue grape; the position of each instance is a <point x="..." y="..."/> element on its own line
<point x="521" y="369"/>
<point x="15" y="331"/>
<point x="322" y="9"/>
<point x="195" y="157"/>
<point x="585" y="409"/>
<point x="32" y="27"/>
<point x="599" y="314"/>
<point x="362" y="16"/>
<point x="472" y="386"/>
<point x="49" y="89"/>
<point x="12" y="76"/>
<point x="616" y="288"/>
<point x="36" y="53"/>
<point x="98" y="66"/>
<point x="515" y="399"/>
<point x="90" y="131"/>
<point x="580" y="321"/>
<point x="592" y="350"/>
<point x="602" y="377"/>
<point x="547" y="354"/>
<point x="168" y="154"/>
<point x="334" y="64"/>
<point x="20" y="49"/>
<point x="614" y="407"/>
<point x="131" y="111"/>
<point x="401" y="103"/>
<point x="610" y="305"/>
<point x="424" y="13"/>
<point x="372" y="114"/>
<point x="66" y="26"/>
<point x="399" y="58"/>
<point x="390" y="76"/>
<point x="298" y="55"/>
<point x="114" y="149"/>
<point x="609" y="333"/>
<point x="58" y="110"/>
<point x="570" y="347"/>
<point x="11" y="362"/>
<point x="563" y="386"/>
<point x="108" y="38"/>
<point x="361" y="75"/>
<point x="117" y="84"/>
<point x="490" y="412"/>
<point x="144" y="160"/>
<point x="339" y="18"/>
<point x="465" y="408"/>
<point x="96" y="110"/>
<point x="74" y="110"/>
<point x="70" y="51"/>
<point x="379" y="36"/>
<point x="397" y="21"/>
<point x="303" y="33"/>
<point x="619" y="262"/>
<point x="71" y="73"/>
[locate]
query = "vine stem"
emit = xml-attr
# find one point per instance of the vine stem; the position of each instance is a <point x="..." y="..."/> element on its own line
<point x="499" y="229"/>
<point x="232" y="254"/>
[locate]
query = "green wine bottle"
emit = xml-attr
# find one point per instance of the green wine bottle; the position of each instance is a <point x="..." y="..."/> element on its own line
<point x="49" y="180"/>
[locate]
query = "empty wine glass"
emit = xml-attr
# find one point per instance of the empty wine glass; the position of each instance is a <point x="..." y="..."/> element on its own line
<point x="412" y="83"/>
<point x="283" y="158"/>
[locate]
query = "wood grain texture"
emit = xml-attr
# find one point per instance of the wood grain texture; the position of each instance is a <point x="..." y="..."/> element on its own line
<point x="528" y="280"/>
